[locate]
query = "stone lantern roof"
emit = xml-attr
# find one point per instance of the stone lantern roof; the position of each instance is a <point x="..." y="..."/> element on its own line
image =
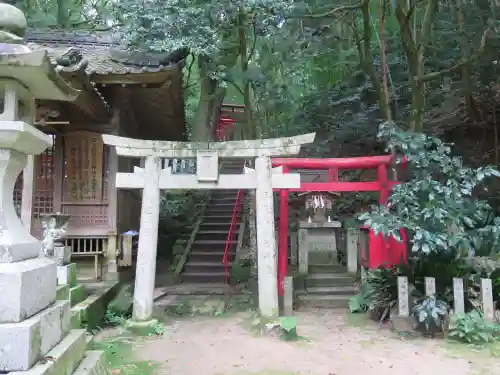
<point x="32" y="69"/>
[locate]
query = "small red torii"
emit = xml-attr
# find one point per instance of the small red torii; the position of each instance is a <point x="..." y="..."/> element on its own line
<point x="382" y="251"/>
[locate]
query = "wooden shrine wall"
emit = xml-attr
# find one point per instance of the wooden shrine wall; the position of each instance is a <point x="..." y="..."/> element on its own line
<point x="84" y="192"/>
<point x="71" y="177"/>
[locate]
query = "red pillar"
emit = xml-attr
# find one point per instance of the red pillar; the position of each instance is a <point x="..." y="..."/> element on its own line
<point x="384" y="183"/>
<point x="283" y="238"/>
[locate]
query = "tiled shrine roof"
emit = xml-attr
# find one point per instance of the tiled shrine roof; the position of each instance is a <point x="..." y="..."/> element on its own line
<point x="97" y="53"/>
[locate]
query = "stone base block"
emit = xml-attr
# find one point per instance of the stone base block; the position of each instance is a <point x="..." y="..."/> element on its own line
<point x="94" y="363"/>
<point x="90" y="312"/>
<point x="76" y="294"/>
<point x="141" y="328"/>
<point x="66" y="274"/>
<point x="62" y="292"/>
<point x="22" y="344"/>
<point x="62" y="255"/>
<point x="19" y="249"/>
<point x="402" y="323"/>
<point x="66" y="356"/>
<point x="26" y="287"/>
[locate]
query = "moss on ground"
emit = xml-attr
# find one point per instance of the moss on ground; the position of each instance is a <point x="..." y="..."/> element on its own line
<point x="120" y="357"/>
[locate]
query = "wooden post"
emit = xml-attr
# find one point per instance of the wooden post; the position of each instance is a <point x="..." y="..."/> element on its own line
<point x="458" y="295"/>
<point x="28" y="191"/>
<point x="487" y="299"/>
<point x="430" y="287"/>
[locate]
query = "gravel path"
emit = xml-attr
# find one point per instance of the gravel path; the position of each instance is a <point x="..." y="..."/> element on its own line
<point x="225" y="346"/>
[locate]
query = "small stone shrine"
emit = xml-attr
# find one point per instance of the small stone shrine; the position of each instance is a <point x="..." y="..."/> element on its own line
<point x="33" y="325"/>
<point x="318" y="231"/>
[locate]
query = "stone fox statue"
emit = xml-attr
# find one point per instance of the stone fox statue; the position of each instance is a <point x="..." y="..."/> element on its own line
<point x="54" y="232"/>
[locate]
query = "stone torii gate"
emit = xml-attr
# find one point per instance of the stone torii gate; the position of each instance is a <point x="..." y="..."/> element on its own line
<point x="152" y="178"/>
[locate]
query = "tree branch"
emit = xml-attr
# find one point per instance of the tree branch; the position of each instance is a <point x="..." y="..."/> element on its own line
<point x="434" y="75"/>
<point x="332" y="12"/>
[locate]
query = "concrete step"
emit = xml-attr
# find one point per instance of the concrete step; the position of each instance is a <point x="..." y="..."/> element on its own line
<point x="218" y="211"/>
<point x="204" y="235"/>
<point x="328" y="279"/>
<point x="208" y="246"/>
<point x="64" y="357"/>
<point x="219" y="218"/>
<point x="327" y="301"/>
<point x="94" y="363"/>
<point x="204" y="277"/>
<point x="327" y="268"/>
<point x="201" y="267"/>
<point x="229" y="200"/>
<point x="208" y="226"/>
<point x="330" y="290"/>
<point x="211" y="257"/>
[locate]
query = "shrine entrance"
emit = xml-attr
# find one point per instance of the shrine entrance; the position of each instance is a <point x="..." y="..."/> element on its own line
<point x="153" y="178"/>
<point x="378" y="250"/>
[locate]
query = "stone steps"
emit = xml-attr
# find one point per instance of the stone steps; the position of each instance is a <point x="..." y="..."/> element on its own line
<point x="217" y="235"/>
<point x="329" y="290"/>
<point x="326" y="286"/>
<point x="328" y="279"/>
<point x="210" y="257"/>
<point x="94" y="363"/>
<point x="325" y="301"/>
<point x="204" y="264"/>
<point x="204" y="277"/>
<point x="64" y="358"/>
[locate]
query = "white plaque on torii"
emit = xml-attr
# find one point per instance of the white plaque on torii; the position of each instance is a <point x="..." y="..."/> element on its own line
<point x="207" y="165"/>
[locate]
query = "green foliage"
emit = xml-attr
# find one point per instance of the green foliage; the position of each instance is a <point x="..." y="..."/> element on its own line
<point x="120" y="358"/>
<point x="241" y="271"/>
<point x="472" y="328"/>
<point x="288" y="325"/>
<point x="430" y="314"/>
<point x="436" y="203"/>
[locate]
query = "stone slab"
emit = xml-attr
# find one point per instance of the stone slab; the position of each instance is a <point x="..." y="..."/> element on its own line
<point x="26" y="287"/>
<point x="22" y="344"/>
<point x="90" y="312"/>
<point x="66" y="274"/>
<point x="62" y="292"/>
<point x="76" y="294"/>
<point x="94" y="363"/>
<point x="62" y="254"/>
<point x="12" y="251"/>
<point x="67" y="356"/>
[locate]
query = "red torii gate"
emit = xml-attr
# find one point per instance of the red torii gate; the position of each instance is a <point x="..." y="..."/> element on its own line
<point x="378" y="245"/>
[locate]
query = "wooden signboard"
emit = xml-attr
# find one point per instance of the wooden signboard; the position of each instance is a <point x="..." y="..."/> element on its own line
<point x="83" y="170"/>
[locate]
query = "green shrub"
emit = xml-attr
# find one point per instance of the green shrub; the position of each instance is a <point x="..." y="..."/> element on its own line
<point x="472" y="328"/>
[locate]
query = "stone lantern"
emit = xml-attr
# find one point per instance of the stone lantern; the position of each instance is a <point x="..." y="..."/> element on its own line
<point x="27" y="282"/>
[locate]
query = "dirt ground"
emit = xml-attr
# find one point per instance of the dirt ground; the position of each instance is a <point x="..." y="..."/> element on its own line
<point x="333" y="344"/>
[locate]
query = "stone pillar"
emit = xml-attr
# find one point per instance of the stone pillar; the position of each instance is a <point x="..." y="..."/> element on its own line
<point x="303" y="251"/>
<point x="352" y="249"/>
<point x="266" y="240"/>
<point x="148" y="240"/>
<point x="111" y="251"/>
<point x="293" y="248"/>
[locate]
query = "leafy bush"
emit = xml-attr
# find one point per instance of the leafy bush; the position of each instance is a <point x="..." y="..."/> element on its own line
<point x="436" y="202"/>
<point x="430" y="314"/>
<point x="472" y="328"/>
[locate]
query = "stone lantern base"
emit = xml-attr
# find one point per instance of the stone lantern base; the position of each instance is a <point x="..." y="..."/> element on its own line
<point x="35" y="335"/>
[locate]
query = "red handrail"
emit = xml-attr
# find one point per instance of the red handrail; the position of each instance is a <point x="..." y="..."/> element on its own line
<point x="237" y="207"/>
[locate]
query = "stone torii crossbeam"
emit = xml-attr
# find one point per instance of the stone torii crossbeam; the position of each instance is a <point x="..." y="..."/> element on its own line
<point x="152" y="178"/>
